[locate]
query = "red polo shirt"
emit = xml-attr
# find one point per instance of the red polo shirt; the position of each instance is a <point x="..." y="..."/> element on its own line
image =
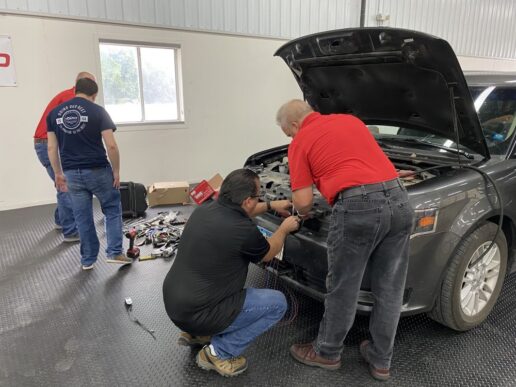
<point x="65" y="95"/>
<point x="335" y="152"/>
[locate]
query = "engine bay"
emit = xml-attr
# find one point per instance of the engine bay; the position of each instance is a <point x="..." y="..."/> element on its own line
<point x="273" y="171"/>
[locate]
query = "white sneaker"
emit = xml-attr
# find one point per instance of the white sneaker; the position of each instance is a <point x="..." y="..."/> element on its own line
<point x="88" y="267"/>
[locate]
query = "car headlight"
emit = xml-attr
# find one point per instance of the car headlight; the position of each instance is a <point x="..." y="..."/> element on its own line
<point x="425" y="221"/>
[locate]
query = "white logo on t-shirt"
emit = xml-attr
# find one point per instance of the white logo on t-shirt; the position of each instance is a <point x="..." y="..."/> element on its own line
<point x="71" y="119"/>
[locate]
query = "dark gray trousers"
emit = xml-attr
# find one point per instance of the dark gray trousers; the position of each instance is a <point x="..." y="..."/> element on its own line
<point x="372" y="228"/>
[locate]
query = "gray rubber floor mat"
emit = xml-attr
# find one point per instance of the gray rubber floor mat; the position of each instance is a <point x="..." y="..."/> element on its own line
<point x="60" y="326"/>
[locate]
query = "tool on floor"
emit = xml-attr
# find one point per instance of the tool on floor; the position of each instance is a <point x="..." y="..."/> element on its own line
<point x="146" y="257"/>
<point x="132" y="252"/>
<point x="129" y="307"/>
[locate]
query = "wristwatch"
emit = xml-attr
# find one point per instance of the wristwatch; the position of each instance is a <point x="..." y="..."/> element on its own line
<point x="269" y="207"/>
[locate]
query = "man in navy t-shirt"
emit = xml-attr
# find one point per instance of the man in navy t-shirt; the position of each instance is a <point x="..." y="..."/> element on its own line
<point x="77" y="132"/>
<point x="63" y="215"/>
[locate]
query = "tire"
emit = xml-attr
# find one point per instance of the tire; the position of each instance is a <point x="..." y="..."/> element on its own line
<point x="468" y="292"/>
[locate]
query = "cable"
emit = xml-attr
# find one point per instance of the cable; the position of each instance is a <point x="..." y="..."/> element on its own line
<point x="482" y="173"/>
<point x="129" y="307"/>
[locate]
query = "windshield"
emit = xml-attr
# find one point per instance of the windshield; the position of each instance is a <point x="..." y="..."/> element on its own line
<point x="496" y="108"/>
<point x="417" y="138"/>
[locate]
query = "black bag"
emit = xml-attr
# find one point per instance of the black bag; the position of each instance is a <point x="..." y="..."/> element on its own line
<point x="134" y="199"/>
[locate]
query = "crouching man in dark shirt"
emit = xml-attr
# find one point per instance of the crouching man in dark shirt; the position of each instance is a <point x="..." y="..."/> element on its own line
<point x="204" y="290"/>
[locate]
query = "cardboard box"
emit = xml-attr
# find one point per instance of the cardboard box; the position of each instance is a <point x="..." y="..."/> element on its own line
<point x="173" y="192"/>
<point x="206" y="189"/>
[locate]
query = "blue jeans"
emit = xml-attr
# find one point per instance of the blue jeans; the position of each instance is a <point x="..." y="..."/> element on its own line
<point x="63" y="215"/>
<point x="372" y="229"/>
<point x="82" y="185"/>
<point x="262" y="309"/>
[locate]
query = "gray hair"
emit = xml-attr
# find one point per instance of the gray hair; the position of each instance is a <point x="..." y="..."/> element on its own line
<point x="292" y="111"/>
<point x="85" y="74"/>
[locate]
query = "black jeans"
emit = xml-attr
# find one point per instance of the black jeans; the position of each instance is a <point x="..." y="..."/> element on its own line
<point x="368" y="228"/>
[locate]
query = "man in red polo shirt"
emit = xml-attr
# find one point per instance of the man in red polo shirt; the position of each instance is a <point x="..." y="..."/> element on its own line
<point x="63" y="215"/>
<point x="371" y="223"/>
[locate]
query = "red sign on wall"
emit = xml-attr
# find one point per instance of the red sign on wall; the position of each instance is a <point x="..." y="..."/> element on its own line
<point x="5" y="60"/>
<point x="7" y="74"/>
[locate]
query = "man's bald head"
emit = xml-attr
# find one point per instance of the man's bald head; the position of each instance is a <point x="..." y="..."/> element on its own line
<point x="85" y="74"/>
<point x="291" y="114"/>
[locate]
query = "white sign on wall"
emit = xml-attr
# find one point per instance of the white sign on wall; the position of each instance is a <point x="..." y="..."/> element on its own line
<point x="7" y="74"/>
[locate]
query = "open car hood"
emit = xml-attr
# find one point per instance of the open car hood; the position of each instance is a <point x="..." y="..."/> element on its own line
<point x="386" y="76"/>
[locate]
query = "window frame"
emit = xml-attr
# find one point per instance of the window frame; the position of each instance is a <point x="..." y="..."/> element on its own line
<point x="180" y="121"/>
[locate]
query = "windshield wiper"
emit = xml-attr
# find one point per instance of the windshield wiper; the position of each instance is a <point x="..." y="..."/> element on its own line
<point x="431" y="144"/>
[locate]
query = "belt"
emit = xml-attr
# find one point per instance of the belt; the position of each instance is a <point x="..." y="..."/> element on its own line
<point x="369" y="188"/>
<point x="40" y="140"/>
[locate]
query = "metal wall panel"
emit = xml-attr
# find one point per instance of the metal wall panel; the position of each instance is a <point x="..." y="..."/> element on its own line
<point x="230" y="15"/>
<point x="483" y="28"/>
<point x="147" y="11"/>
<point x="292" y="8"/>
<point x="20" y="5"/>
<point x="114" y="10"/>
<point x="253" y="16"/>
<point x="178" y="13"/>
<point x="131" y="11"/>
<point x="163" y="13"/>
<point x="241" y="17"/>
<point x="78" y="8"/>
<point x="191" y="8"/>
<point x="58" y="7"/>
<point x="96" y="9"/>
<point x="273" y="18"/>
<point x="217" y="13"/>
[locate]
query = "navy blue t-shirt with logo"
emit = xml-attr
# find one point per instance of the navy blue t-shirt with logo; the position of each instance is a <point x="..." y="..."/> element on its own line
<point x="78" y="125"/>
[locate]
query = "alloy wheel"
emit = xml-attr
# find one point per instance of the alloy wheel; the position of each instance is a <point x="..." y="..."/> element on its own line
<point x="480" y="279"/>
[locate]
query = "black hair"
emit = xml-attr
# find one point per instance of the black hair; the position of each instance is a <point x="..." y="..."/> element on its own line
<point x="238" y="186"/>
<point x="86" y="86"/>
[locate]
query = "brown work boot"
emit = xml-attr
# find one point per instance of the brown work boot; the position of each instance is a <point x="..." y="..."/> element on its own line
<point x="120" y="259"/>
<point x="382" y="374"/>
<point x="187" y="339"/>
<point x="229" y="367"/>
<point x="305" y="353"/>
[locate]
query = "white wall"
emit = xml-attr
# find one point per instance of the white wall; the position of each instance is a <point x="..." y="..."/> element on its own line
<point x="469" y="63"/>
<point x="232" y="89"/>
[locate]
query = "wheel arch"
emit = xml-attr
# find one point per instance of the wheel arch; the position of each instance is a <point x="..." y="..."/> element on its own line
<point x="508" y="228"/>
<point x="508" y="233"/>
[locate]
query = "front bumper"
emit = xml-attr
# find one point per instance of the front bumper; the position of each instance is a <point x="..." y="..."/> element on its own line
<point x="304" y="267"/>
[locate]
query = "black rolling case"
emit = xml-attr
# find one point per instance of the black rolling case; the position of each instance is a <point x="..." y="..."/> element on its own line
<point x="134" y="199"/>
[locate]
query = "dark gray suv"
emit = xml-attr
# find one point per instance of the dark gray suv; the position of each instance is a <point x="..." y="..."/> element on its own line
<point x="448" y="129"/>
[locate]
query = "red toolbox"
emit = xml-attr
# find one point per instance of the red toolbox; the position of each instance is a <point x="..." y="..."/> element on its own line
<point x="206" y="189"/>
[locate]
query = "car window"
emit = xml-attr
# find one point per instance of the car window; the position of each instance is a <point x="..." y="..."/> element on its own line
<point x="400" y="132"/>
<point x="496" y="109"/>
